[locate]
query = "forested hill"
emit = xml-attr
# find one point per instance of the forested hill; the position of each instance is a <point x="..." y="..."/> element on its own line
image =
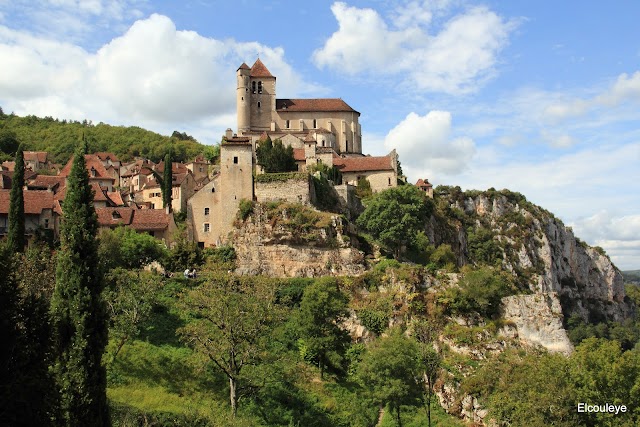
<point x="58" y="137"/>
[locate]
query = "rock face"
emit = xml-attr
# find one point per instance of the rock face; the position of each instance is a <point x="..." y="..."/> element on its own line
<point x="538" y="320"/>
<point x="566" y="276"/>
<point x="267" y="247"/>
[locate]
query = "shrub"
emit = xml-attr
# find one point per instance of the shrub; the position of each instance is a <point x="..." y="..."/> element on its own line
<point x="245" y="208"/>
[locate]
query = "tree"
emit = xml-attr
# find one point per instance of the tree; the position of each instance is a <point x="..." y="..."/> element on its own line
<point x="228" y="319"/>
<point x="430" y="360"/>
<point x="322" y="309"/>
<point x="389" y="370"/>
<point x="167" y="181"/>
<point x="274" y="157"/>
<point x="130" y="297"/>
<point x="8" y="141"/>
<point x="212" y="153"/>
<point x="395" y="216"/>
<point x="124" y="247"/>
<point x="78" y="311"/>
<point x="16" y="231"/>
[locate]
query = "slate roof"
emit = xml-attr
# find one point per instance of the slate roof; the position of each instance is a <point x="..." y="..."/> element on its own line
<point x="313" y="104"/>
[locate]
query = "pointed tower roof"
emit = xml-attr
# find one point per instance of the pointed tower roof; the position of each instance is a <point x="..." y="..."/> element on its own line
<point x="259" y="70"/>
<point x="244" y="66"/>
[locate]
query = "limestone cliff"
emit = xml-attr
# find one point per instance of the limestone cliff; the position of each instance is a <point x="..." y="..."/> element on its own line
<point x="565" y="276"/>
<point x="288" y="240"/>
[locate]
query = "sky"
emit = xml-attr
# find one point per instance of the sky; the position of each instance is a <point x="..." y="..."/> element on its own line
<point x="540" y="97"/>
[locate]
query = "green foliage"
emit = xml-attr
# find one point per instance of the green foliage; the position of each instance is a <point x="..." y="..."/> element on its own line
<point x="226" y="320"/>
<point x="281" y="176"/>
<point x="58" y="138"/>
<point x="395" y="216"/>
<point x="130" y="297"/>
<point x="627" y="333"/>
<point x="443" y="257"/>
<point x="124" y="247"/>
<point x="322" y="309"/>
<point x="212" y="153"/>
<point x="480" y="291"/>
<point x="184" y="253"/>
<point x="274" y="157"/>
<point x="388" y="371"/>
<point x="304" y="223"/>
<point x="331" y="173"/>
<point x="245" y="208"/>
<point x="326" y="196"/>
<point x="363" y="188"/>
<point x="483" y="248"/>
<point x="15" y="237"/>
<point x="167" y="181"/>
<point x="8" y="142"/>
<point x="77" y="308"/>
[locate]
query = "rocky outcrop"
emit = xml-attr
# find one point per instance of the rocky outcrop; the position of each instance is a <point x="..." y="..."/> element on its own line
<point x="537" y="319"/>
<point x="271" y="246"/>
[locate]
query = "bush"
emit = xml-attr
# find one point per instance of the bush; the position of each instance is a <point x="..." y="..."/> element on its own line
<point x="245" y="208"/>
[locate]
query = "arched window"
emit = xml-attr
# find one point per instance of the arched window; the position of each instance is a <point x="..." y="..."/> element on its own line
<point x="253" y="87"/>
<point x="213" y="190"/>
<point x="259" y="87"/>
<point x="259" y="104"/>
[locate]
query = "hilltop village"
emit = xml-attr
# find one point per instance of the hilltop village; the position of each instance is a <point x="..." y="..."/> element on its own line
<point x="322" y="130"/>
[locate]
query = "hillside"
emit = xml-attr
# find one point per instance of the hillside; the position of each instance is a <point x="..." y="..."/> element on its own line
<point x="632" y="276"/>
<point x="59" y="136"/>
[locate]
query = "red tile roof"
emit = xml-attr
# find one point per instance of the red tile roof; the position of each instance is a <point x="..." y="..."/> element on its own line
<point x="423" y="183"/>
<point x="93" y="163"/>
<point x="32" y="156"/>
<point x="9" y="165"/>
<point x="46" y="181"/>
<point x="259" y="70"/>
<point x="138" y="219"/>
<point x="116" y="198"/>
<point x="298" y="154"/>
<point x="244" y="66"/>
<point x="176" y="167"/>
<point x="313" y="104"/>
<point x="103" y="155"/>
<point x="35" y="201"/>
<point x="363" y="164"/>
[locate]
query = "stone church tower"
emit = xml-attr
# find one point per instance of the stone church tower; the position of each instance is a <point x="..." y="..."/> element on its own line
<point x="255" y="98"/>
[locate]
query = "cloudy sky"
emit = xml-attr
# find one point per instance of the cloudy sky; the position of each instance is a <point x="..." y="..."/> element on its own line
<point x="541" y="97"/>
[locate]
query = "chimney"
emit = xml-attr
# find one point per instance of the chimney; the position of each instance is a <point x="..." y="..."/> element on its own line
<point x="228" y="134"/>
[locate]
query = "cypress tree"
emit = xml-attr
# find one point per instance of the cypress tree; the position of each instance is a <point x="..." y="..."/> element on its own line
<point x="15" y="235"/>
<point x="167" y="181"/>
<point x="79" y="315"/>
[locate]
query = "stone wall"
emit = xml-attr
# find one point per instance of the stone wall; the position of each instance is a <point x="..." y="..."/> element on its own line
<point x="297" y="189"/>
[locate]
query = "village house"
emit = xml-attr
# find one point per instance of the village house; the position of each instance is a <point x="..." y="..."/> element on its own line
<point x="183" y="187"/>
<point x="39" y="211"/>
<point x="155" y="222"/>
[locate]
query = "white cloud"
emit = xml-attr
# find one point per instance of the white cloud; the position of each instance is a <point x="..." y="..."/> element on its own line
<point x="618" y="235"/>
<point x="457" y="59"/>
<point x="425" y="145"/>
<point x="153" y="76"/>
<point x="625" y="88"/>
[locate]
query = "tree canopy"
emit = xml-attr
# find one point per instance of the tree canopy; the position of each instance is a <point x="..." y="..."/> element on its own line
<point x="395" y="216"/>
<point x="274" y="157"/>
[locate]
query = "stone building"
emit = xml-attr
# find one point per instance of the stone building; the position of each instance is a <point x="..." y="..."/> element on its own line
<point x="212" y="210"/>
<point x="331" y="121"/>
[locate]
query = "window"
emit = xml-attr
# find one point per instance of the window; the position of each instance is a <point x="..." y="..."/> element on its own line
<point x="206" y="211"/>
<point x="259" y="87"/>
<point x="315" y="124"/>
<point x="253" y="87"/>
<point x="46" y="223"/>
<point x="389" y="181"/>
<point x="206" y="227"/>
<point x="259" y="104"/>
<point x="213" y="190"/>
<point x="235" y="160"/>
<point x="287" y="124"/>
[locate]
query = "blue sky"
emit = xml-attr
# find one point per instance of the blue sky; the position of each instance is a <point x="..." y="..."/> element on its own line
<point x="539" y="97"/>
